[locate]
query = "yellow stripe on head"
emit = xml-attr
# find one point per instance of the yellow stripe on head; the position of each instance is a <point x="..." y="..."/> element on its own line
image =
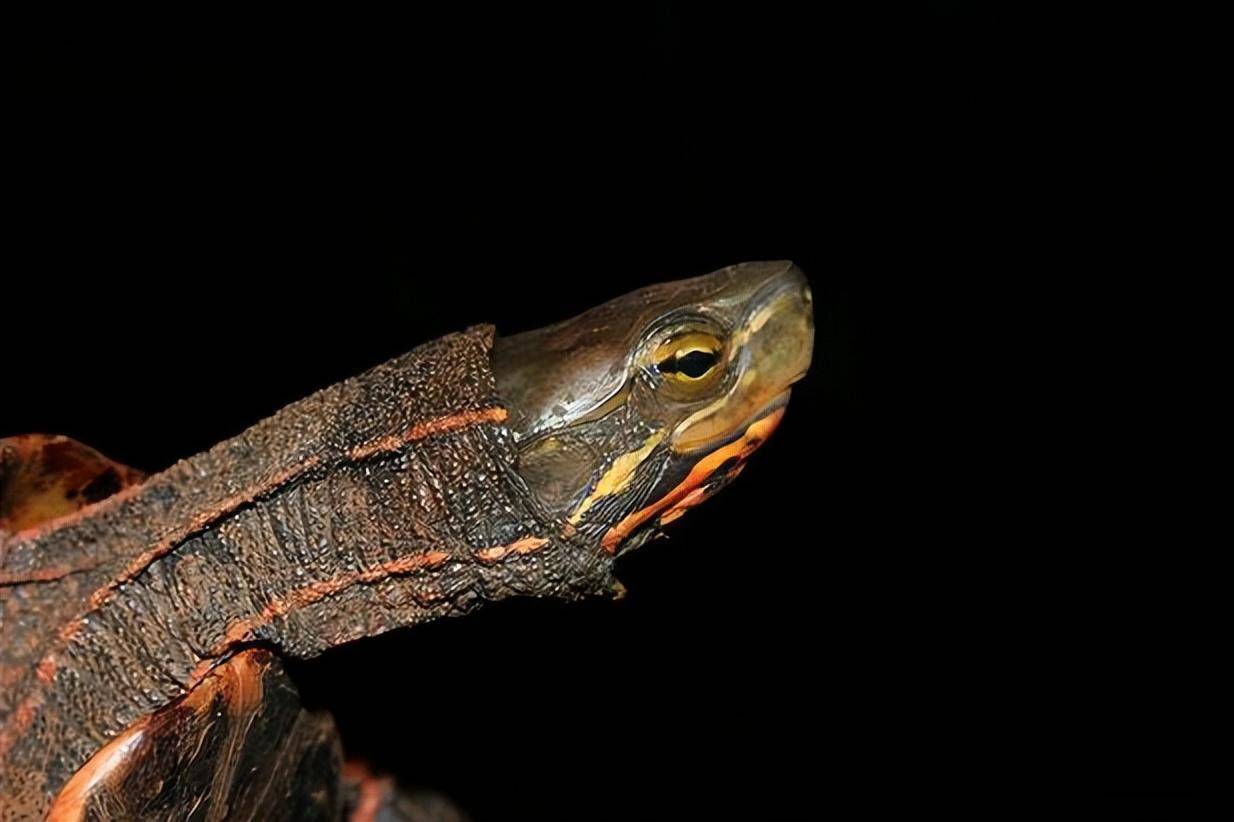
<point x="618" y="476"/>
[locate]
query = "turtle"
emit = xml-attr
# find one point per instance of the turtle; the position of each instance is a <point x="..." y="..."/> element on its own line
<point x="145" y="620"/>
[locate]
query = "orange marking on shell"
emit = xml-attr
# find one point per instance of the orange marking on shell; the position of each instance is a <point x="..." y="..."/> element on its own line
<point x="526" y="545"/>
<point x="47" y="527"/>
<point x="243" y="683"/>
<point x="238" y="682"/>
<point x="46" y="478"/>
<point x="44" y="528"/>
<point x="741" y="448"/>
<point x="110" y="761"/>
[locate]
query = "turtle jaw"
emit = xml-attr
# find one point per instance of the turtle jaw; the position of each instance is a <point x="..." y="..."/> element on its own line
<point x="716" y="468"/>
<point x="746" y="443"/>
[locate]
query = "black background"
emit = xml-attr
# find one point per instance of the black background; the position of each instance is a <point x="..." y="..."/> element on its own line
<point x="214" y="217"/>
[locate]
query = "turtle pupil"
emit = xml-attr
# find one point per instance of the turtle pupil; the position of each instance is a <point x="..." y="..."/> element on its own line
<point x="695" y="364"/>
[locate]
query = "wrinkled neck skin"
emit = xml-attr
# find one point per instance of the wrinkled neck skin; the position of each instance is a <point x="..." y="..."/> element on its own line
<point x="402" y="505"/>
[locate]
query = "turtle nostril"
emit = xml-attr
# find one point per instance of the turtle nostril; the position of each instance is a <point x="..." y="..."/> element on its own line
<point x="807" y="297"/>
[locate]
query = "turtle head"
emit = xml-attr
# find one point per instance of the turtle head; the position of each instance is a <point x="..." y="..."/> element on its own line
<point x="642" y="407"/>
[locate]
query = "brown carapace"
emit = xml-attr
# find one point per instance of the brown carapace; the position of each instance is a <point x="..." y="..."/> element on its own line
<point x="142" y="620"/>
<point x="46" y="477"/>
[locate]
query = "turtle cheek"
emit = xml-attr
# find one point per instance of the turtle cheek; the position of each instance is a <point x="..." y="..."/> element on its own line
<point x="704" y="477"/>
<point x="558" y="469"/>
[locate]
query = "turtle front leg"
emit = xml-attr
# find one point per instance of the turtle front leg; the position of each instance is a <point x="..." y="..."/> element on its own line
<point x="238" y="746"/>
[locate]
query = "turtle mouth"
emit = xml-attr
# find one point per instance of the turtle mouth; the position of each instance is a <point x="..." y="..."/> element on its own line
<point x="776" y="403"/>
<point x="749" y="438"/>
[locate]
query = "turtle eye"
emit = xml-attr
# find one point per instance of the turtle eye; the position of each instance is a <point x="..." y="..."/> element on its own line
<point x="688" y="359"/>
<point x="692" y="365"/>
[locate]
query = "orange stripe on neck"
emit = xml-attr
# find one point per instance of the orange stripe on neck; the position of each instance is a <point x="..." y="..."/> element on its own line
<point x="526" y="545"/>
<point x="419" y="431"/>
<point x="243" y="629"/>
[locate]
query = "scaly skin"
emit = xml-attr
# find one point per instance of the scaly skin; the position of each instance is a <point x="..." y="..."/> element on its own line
<point x="316" y="527"/>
